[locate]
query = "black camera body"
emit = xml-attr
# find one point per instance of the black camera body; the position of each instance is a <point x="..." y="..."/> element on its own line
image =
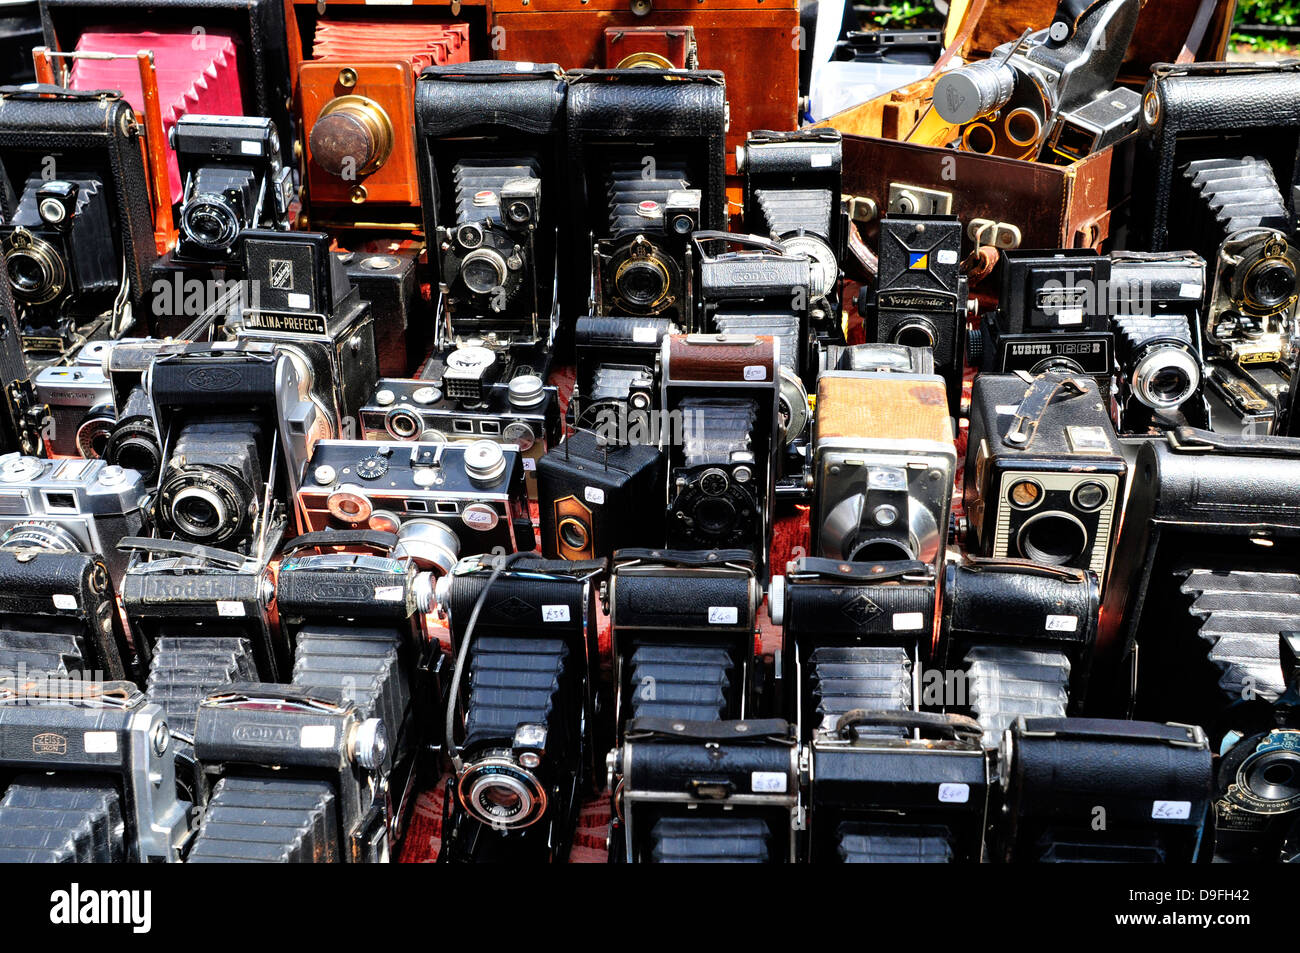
<point x="233" y="178"/>
<point x="1255" y="818"/>
<point x="300" y="299"/>
<point x="595" y="496"/>
<point x="682" y="627"/>
<point x="524" y="413"/>
<point x="443" y="500"/>
<point x="1023" y="633"/>
<point x="292" y="772"/>
<point x="617" y="368"/>
<point x="58" y="251"/>
<point x="58" y="617"/>
<point x="723" y="392"/>
<point x="792" y="195"/>
<point x="525" y="685"/>
<point x="490" y="201"/>
<point x="1053" y="315"/>
<point x="705" y="792"/>
<point x="1045" y="475"/>
<point x="1150" y="782"/>
<point x="87" y="775"/>
<point x="920" y="297"/>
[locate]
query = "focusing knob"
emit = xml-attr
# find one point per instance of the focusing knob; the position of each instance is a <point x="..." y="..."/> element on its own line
<point x="372" y="467"/>
<point x="975" y="348"/>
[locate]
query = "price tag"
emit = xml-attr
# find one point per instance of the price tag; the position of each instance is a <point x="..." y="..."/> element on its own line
<point x="755" y="372"/>
<point x="767" y="782"/>
<point x="100" y="742"/>
<point x="555" y="613"/>
<point x="230" y="610"/>
<point x="1062" y="623"/>
<point x="723" y="615"/>
<point x="389" y="593"/>
<point x="316" y="736"/>
<point x="64" y="601"/>
<point x="594" y="494"/>
<point x="1171" y="810"/>
<point x="952" y="793"/>
<point x="908" y="621"/>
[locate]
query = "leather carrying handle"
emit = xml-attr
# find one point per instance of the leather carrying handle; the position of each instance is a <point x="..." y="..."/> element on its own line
<point x="956" y="727"/>
<point x="1041" y="393"/>
<point x="887" y="571"/>
<point x="1191" y="440"/>
<point x="370" y="538"/>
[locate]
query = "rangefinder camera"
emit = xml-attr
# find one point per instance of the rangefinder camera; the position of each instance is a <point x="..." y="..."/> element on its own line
<point x="457" y="499"/>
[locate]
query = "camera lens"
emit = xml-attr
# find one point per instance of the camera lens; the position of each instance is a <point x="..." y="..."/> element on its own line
<point x="207" y="220"/>
<point x="1089" y="496"/>
<point x="49" y="537"/>
<point x="198" y="512"/>
<point x="483" y="270"/>
<point x="429" y="543"/>
<point x="1166" y="378"/>
<point x="1052" y="538"/>
<point x="501" y="793"/>
<point x="1273" y="775"/>
<point x="573" y="534"/>
<point x="1025" y="494"/>
<point x="36" y="271"/>
<point x="133" y="450"/>
<point x="715" y="515"/>
<point x="642" y="282"/>
<point x="879" y="551"/>
<point x="93" y="434"/>
<point x="1270" y="284"/>
<point x="403" y="424"/>
<point x="915" y="332"/>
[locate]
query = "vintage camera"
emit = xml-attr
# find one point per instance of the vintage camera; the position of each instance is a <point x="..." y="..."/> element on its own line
<point x="642" y="261"/>
<point x="132" y="442"/>
<point x="1252" y="308"/>
<point x="1153" y="781"/>
<point x="1201" y="574"/>
<point x="88" y="776"/>
<point x="1053" y="315"/>
<point x="522" y="707"/>
<point x="682" y="627"/>
<point x="705" y="792"/>
<point x="293" y="777"/>
<point x="300" y="299"/>
<point x="237" y="422"/>
<point x="1045" y="474"/>
<point x="647" y="161"/>
<point x="920" y="297"/>
<point x="58" y="250"/>
<point x="1023" y="634"/>
<point x="596" y="494"/>
<point x="1223" y="195"/>
<point x="883" y="468"/>
<point x="82" y="416"/>
<point x="490" y="182"/>
<point x="1014" y="103"/>
<point x="793" y="184"/>
<point x="722" y="393"/>
<point x="878" y="358"/>
<point x="443" y="500"/>
<point x="617" y="368"/>
<point x="523" y="413"/>
<point x="69" y="506"/>
<point x="1157" y="328"/>
<point x="23" y="417"/>
<point x="233" y="178"/>
<point x="60" y="616"/>
<point x="761" y="289"/>
<point x="402" y="331"/>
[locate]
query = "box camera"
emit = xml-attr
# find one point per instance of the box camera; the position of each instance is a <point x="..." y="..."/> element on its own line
<point x="443" y="500"/>
<point x="1045" y="475"/>
<point x="69" y="506"/>
<point x="88" y="776"/>
<point x="793" y="185"/>
<point x="402" y="331"/>
<point x="1152" y="780"/>
<point x="1023" y="633"/>
<point x="523" y="413"/>
<point x="883" y="468"/>
<point x="237" y="422"/>
<point x="596" y="495"/>
<point x="489" y="200"/>
<point x="682" y="627"/>
<point x="920" y="297"/>
<point x="233" y="179"/>
<point x="524" y="683"/>
<point x="617" y="368"/>
<point x="292" y="777"/>
<point x="706" y="792"/>
<point x="300" y="299"/>
<point x="58" y="249"/>
<point x="60" y="617"/>
<point x="1011" y="104"/>
<point x="1053" y="315"/>
<point x="721" y="394"/>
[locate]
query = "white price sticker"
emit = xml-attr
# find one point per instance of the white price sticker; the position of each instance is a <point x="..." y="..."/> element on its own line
<point x="594" y="494"/>
<point x="723" y="615"/>
<point x="479" y="517"/>
<point x="644" y="335"/>
<point x="1062" y="623"/>
<point x="821" y="160"/>
<point x="908" y="621"/>
<point x="953" y="793"/>
<point x="755" y="372"/>
<point x="767" y="782"/>
<point x="64" y="601"/>
<point x="316" y="736"/>
<point x="1171" y="810"/>
<point x="100" y="742"/>
<point x="946" y="257"/>
<point x="530" y="464"/>
<point x="1189" y="290"/>
<point x="389" y="593"/>
<point x="230" y="610"/>
<point x="298" y="300"/>
<point x="1069" y="316"/>
<point x="555" y="613"/>
<point x="250" y="147"/>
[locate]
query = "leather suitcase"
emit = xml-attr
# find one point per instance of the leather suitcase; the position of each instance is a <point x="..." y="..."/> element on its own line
<point x="895" y="154"/>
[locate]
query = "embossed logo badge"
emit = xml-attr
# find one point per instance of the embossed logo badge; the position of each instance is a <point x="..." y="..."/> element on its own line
<point x="49" y="743"/>
<point x="213" y="378"/>
<point x="514" y="607"/>
<point x="860" y="609"/>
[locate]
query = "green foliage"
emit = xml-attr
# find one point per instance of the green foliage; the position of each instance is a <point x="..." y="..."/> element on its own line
<point x="1272" y="12"/>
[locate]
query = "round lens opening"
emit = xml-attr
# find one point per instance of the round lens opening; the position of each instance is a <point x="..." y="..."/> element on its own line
<point x="1053" y="538"/>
